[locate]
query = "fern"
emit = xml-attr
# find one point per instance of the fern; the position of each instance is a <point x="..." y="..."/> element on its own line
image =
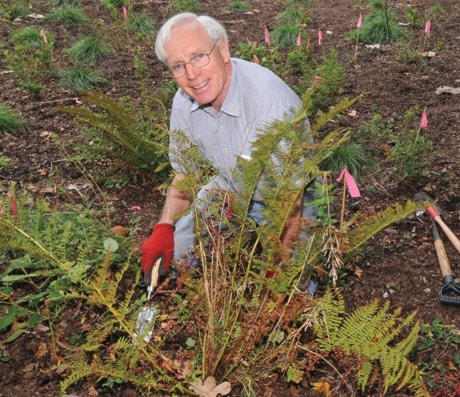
<point x="133" y="139"/>
<point x="369" y="226"/>
<point x="374" y="335"/>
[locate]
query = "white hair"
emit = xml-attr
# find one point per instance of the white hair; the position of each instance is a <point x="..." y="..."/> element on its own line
<point x="214" y="28"/>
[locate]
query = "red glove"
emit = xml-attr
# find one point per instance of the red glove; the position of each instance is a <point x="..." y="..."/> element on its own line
<point x="159" y="244"/>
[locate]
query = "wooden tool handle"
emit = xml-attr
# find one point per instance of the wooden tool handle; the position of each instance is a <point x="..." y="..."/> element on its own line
<point x="449" y="233"/>
<point x="441" y="253"/>
<point x="433" y="212"/>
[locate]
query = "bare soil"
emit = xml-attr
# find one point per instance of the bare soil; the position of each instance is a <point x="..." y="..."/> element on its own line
<point x="398" y="265"/>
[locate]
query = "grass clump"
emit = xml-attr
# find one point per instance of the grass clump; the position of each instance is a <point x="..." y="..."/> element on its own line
<point x="10" y="120"/>
<point x="89" y="50"/>
<point x="68" y="15"/>
<point x="80" y="78"/>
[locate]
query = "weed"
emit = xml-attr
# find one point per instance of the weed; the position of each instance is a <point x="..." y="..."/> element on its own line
<point x="239" y="6"/>
<point x="68" y="15"/>
<point x="89" y="50"/>
<point x="80" y="78"/>
<point x="10" y="120"/>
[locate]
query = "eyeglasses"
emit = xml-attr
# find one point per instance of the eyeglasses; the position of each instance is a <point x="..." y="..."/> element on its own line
<point x="198" y="61"/>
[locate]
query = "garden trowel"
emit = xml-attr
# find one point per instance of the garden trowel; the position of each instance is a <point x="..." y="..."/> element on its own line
<point x="146" y="318"/>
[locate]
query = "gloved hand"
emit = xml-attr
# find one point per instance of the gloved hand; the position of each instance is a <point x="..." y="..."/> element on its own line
<point x="159" y="244"/>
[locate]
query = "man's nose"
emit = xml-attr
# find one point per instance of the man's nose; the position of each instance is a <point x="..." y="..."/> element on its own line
<point x="190" y="71"/>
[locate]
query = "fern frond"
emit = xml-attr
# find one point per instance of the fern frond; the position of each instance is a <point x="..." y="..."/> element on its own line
<point x="133" y="138"/>
<point x="376" y="337"/>
<point x="371" y="225"/>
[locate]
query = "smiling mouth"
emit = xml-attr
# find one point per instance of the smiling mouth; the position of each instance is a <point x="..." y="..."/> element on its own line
<point x="201" y="85"/>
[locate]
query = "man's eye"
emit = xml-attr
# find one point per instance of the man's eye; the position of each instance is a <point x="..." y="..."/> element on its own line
<point x="199" y="56"/>
<point x="177" y="66"/>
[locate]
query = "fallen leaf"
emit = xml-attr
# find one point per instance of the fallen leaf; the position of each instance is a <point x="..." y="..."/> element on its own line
<point x="208" y="388"/>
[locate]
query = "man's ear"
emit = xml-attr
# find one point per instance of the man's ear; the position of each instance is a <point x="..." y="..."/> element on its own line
<point x="224" y="49"/>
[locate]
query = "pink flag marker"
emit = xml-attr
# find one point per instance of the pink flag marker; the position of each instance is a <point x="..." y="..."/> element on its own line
<point x="299" y="40"/>
<point x="352" y="186"/>
<point x="267" y="35"/>
<point x="360" y="21"/>
<point x="424" y="120"/>
<point x="125" y="13"/>
<point x="427" y="27"/>
<point x="320" y="37"/>
<point x="43" y="34"/>
<point x="256" y="59"/>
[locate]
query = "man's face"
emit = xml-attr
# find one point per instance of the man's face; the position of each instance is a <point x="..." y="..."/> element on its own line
<point x="207" y="85"/>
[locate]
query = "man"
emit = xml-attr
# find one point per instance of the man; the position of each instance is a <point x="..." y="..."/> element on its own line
<point x="221" y="106"/>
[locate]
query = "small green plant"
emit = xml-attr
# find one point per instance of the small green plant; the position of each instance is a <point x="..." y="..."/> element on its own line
<point x="89" y="50"/>
<point x="10" y="120"/>
<point x="412" y="16"/>
<point x="352" y="155"/>
<point x="15" y="9"/>
<point x="297" y="61"/>
<point x="327" y="80"/>
<point x="293" y="16"/>
<point x="142" y="25"/>
<point x="412" y="153"/>
<point x="409" y="55"/>
<point x="4" y="161"/>
<point x="379" y="26"/>
<point x="30" y="36"/>
<point x="80" y="78"/>
<point x="31" y="57"/>
<point x="239" y="6"/>
<point x="185" y="5"/>
<point x="68" y="15"/>
<point x="285" y="35"/>
<point x="65" y="3"/>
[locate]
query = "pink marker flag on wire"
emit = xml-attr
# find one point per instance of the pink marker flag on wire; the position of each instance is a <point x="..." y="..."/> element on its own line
<point x="125" y="13"/>
<point x="360" y="21"/>
<point x="299" y="40"/>
<point x="267" y="35"/>
<point x="320" y="37"/>
<point x="352" y="186"/>
<point x="424" y="120"/>
<point x="256" y="59"/>
<point x="427" y="27"/>
<point x="43" y="34"/>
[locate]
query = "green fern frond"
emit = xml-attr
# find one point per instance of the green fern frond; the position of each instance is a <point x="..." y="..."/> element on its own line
<point x="371" y="225"/>
<point x="133" y="138"/>
<point x="376" y="337"/>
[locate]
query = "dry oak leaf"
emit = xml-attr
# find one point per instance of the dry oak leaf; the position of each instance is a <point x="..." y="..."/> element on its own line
<point x="208" y="388"/>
